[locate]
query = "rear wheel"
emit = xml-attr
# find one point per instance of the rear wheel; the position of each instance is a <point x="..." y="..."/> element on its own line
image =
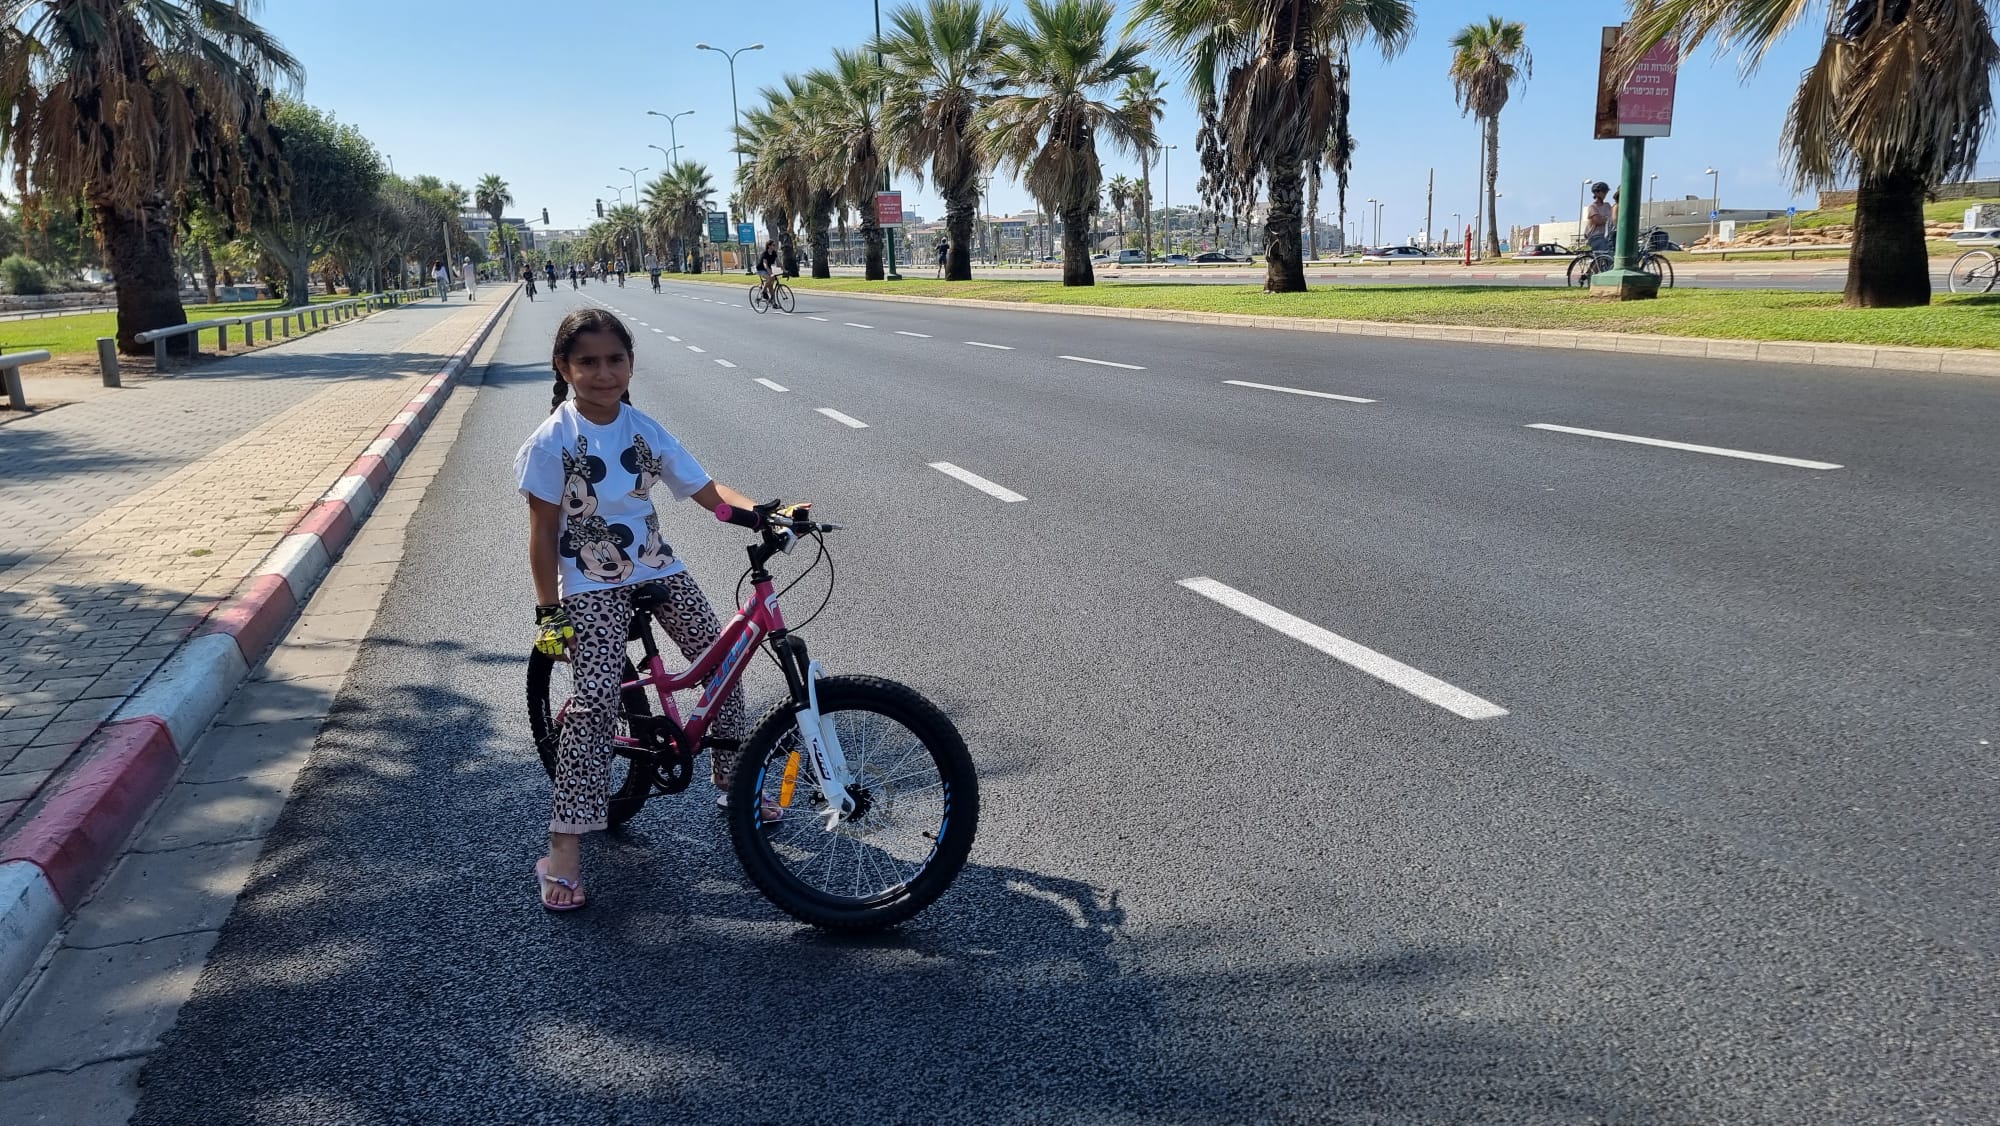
<point x="631" y="779"/>
<point x="785" y="301"/>
<point x="1975" y="272"/>
<point x="758" y="300"/>
<point x="917" y="801"/>
<point x="1580" y="268"/>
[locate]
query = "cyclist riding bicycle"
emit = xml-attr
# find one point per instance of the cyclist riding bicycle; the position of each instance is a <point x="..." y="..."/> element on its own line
<point x="549" y="268"/>
<point x="767" y="269"/>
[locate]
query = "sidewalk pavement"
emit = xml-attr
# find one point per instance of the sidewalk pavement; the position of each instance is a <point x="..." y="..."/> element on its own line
<point x="157" y="540"/>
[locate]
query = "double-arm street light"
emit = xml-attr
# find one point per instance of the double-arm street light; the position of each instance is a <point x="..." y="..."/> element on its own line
<point x="673" y="134"/>
<point x="1714" y="201"/>
<point x="637" y="251"/>
<point x="735" y="114"/>
<point x="1167" y="198"/>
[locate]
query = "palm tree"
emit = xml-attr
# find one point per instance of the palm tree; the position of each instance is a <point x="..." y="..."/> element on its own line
<point x="493" y="197"/>
<point x="1897" y="102"/>
<point x="1060" y="60"/>
<point x="122" y="107"/>
<point x="937" y="73"/>
<point x="1271" y="81"/>
<point x="677" y="204"/>
<point x="776" y="177"/>
<point x="1144" y="96"/>
<point x="847" y="146"/>
<point x="1487" y="60"/>
<point x="1119" y="188"/>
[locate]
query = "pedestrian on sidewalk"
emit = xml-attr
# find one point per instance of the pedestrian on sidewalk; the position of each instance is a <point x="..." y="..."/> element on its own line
<point x="471" y="277"/>
<point x="587" y="473"/>
<point x="442" y="277"/>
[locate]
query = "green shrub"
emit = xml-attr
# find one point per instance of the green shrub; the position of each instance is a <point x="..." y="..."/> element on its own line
<point x="23" y="275"/>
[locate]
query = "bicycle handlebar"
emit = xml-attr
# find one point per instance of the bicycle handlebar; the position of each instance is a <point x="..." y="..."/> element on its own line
<point x="761" y="520"/>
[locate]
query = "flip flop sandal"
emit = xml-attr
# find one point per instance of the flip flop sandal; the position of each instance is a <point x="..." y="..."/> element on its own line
<point x="773" y="812"/>
<point x="543" y="878"/>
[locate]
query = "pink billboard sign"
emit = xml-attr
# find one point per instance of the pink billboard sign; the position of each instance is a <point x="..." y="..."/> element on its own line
<point x="1644" y="105"/>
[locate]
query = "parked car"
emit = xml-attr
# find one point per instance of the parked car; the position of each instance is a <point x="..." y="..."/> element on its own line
<point x="1217" y="256"/>
<point x="1546" y="250"/>
<point x="1131" y="257"/>
<point x="1099" y="259"/>
<point x="1175" y="259"/>
<point x="1977" y="236"/>
<point x="1397" y="254"/>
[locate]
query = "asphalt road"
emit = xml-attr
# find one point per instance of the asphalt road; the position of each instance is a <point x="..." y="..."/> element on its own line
<point x="1728" y="855"/>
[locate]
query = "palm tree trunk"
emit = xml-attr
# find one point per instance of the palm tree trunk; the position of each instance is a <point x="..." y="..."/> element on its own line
<point x="871" y="234"/>
<point x="788" y="241"/>
<point x="208" y="271"/>
<point x="1076" y="244"/>
<point x="1312" y="215"/>
<point x="1889" y="267"/>
<point x="961" y="202"/>
<point x="1492" y="179"/>
<point x="818" y="216"/>
<point x="140" y="247"/>
<point x="1284" y="271"/>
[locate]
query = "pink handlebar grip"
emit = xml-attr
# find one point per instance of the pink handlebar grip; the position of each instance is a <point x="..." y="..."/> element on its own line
<point x="730" y="514"/>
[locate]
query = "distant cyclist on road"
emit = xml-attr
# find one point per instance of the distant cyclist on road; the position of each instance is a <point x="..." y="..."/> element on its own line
<point x="550" y="269"/>
<point x="767" y="269"/>
<point x="653" y="270"/>
<point x="528" y="275"/>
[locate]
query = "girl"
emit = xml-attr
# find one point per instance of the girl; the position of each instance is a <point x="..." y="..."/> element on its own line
<point x="586" y="472"/>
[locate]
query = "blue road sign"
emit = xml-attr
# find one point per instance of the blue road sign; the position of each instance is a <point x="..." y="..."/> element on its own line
<point x="1715" y="214"/>
<point x="746" y="232"/>
<point x="1791" y="212"/>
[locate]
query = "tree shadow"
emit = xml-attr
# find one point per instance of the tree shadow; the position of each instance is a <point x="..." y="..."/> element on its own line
<point x="387" y="962"/>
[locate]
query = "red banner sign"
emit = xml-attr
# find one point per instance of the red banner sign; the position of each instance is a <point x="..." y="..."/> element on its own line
<point x="1644" y="105"/>
<point x="889" y="208"/>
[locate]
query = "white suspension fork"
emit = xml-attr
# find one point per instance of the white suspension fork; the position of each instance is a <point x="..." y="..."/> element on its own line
<point x="822" y="751"/>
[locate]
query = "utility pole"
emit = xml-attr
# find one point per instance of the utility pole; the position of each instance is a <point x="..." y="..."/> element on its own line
<point x="889" y="273"/>
<point x="1430" y="197"/>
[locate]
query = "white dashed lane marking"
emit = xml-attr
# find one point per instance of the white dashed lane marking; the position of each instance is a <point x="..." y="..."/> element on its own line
<point x="656" y="330"/>
<point x="851" y="324"/>
<point x="675" y="339"/>
<point x="692" y="348"/>
<point x="1774" y="459"/>
<point x="773" y="386"/>
<point x="725" y="363"/>
<point x="1295" y="391"/>
<point x="821" y="320"/>
<point x="1103" y="363"/>
<point x="1416" y="682"/>
<point x="843" y="419"/>
<point x="997" y="347"/>
<point x="977" y="482"/>
<point x="918" y="335"/>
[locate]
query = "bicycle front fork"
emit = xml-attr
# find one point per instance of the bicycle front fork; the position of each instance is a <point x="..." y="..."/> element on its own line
<point x="819" y="743"/>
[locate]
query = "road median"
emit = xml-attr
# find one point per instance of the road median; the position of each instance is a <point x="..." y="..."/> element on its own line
<point x="1957" y="334"/>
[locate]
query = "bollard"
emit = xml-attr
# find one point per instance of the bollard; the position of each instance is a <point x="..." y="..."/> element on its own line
<point x="160" y="354"/>
<point x="107" y="360"/>
<point x="222" y="338"/>
<point x="17" y="396"/>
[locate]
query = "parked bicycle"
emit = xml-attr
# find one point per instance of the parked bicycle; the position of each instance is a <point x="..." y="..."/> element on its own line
<point x="1591" y="262"/>
<point x="854" y="801"/>
<point x="780" y="296"/>
<point x="1975" y="271"/>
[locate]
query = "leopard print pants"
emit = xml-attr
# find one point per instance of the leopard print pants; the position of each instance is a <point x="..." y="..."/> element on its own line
<point x="597" y="660"/>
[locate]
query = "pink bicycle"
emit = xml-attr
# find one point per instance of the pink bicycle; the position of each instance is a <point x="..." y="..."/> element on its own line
<point x="854" y="802"/>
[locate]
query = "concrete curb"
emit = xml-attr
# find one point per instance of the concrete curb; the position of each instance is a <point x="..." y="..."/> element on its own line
<point x="1947" y="361"/>
<point x="49" y="863"/>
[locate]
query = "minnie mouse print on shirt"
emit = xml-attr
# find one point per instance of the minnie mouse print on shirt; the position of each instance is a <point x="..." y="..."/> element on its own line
<point x="568" y="461"/>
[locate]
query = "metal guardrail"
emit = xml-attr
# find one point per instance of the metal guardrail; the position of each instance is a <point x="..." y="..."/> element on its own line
<point x="308" y="317"/>
<point x="10" y="372"/>
<point x="1724" y="252"/>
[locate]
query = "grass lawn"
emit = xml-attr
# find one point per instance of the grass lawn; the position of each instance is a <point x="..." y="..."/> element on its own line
<point x="78" y="333"/>
<point x="1950" y="322"/>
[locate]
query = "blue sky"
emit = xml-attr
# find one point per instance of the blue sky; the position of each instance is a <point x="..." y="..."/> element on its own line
<point x="552" y="96"/>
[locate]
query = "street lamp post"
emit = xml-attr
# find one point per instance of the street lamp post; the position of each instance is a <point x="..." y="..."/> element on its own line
<point x="1454" y="226"/>
<point x="1714" y="201"/>
<point x="735" y="115"/>
<point x="1378" y="221"/>
<point x="1167" y="196"/>
<point x="638" y="251"/>
<point x="1370" y="201"/>
<point x="673" y="135"/>
<point x="1581" y="216"/>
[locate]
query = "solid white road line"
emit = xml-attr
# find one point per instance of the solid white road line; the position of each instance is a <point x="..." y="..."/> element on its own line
<point x="1102" y="363"/>
<point x="821" y="320"/>
<point x="977" y="482"/>
<point x="1416" y="682"/>
<point x="1294" y="391"/>
<point x="918" y="335"/>
<point x="773" y="386"/>
<point x="1796" y="463"/>
<point x="725" y="363"/>
<point x="997" y="347"/>
<point x="843" y="419"/>
<point x="851" y="324"/>
<point x="692" y="348"/>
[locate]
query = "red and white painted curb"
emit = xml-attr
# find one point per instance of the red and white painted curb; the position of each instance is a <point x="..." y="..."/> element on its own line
<point x="49" y="864"/>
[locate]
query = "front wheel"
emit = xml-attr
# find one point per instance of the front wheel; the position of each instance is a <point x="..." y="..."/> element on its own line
<point x="785" y="301"/>
<point x="1658" y="266"/>
<point x="1974" y="272"/>
<point x="631" y="779"/>
<point x="758" y="299"/>
<point x="916" y="799"/>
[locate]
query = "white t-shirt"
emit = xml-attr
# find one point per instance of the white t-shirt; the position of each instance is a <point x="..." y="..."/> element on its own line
<point x="602" y="477"/>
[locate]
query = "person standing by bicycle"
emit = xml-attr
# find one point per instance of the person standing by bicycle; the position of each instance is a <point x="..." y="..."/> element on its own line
<point x="767" y="269"/>
<point x="587" y="473"/>
<point x="1597" y="219"/>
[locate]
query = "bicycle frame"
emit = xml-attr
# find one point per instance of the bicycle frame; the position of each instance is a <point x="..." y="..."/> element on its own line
<point x="722" y="665"/>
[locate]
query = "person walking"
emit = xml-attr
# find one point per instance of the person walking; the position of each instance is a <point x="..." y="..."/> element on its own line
<point x="442" y="277"/>
<point x="471" y="277"/>
<point x="943" y="253"/>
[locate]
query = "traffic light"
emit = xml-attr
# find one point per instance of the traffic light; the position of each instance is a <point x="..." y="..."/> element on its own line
<point x="600" y="209"/>
<point x="545" y="216"/>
